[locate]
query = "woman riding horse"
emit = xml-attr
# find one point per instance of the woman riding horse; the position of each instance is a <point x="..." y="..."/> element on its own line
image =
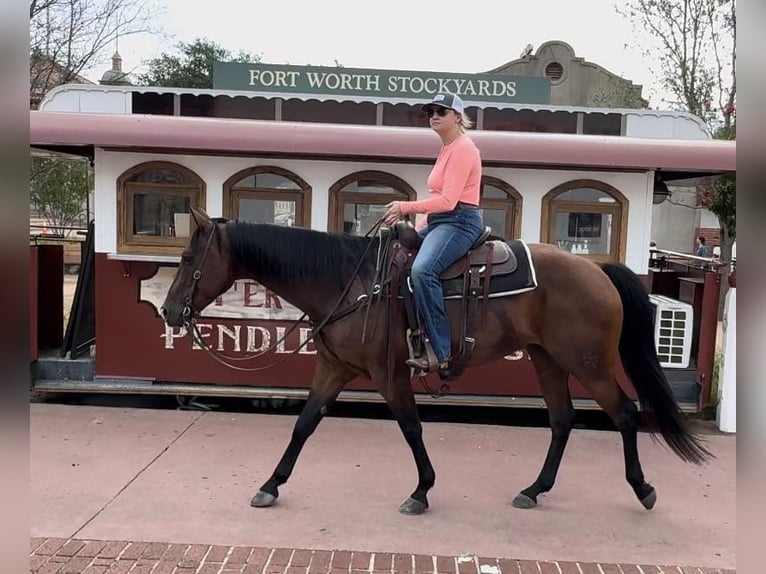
<point x="582" y="319"/>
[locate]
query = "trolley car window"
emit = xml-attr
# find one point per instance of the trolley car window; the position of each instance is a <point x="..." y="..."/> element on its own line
<point x="358" y="200"/>
<point x="154" y="200"/>
<point x="267" y="211"/>
<point x="267" y="180"/>
<point x="586" y="218"/>
<point x="501" y="208"/>
<point x="268" y="194"/>
<point x="157" y="215"/>
<point x="602" y="124"/>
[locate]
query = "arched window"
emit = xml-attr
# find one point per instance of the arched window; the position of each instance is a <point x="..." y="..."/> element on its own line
<point x="501" y="207"/>
<point x="267" y="194"/>
<point x="358" y="200"/>
<point x="153" y="202"/>
<point x="586" y="217"/>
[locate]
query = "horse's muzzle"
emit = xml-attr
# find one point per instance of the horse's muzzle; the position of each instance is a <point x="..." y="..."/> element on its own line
<point x="173" y="315"/>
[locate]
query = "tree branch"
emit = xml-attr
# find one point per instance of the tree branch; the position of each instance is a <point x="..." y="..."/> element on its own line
<point x="70" y="36"/>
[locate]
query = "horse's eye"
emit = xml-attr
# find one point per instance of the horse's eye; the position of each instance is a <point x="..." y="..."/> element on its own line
<point x="187" y="259"/>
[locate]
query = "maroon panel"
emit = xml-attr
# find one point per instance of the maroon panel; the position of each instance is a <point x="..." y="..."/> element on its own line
<point x="132" y="342"/>
<point x="33" y="283"/>
<point x="708" y="332"/>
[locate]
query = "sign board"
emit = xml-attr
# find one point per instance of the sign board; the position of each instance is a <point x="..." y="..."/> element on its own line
<point x="380" y="84"/>
<point x="246" y="300"/>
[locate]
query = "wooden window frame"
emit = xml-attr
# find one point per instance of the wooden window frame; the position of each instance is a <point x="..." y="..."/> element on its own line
<point x="127" y="190"/>
<point x="619" y="211"/>
<point x="232" y="193"/>
<point x="338" y="198"/>
<point x="511" y="205"/>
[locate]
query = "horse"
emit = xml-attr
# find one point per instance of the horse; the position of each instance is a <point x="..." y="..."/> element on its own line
<point x="581" y="319"/>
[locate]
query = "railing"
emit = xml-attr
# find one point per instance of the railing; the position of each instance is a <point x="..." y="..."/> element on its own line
<point x="697" y="281"/>
<point x="72" y="241"/>
<point x="71" y="233"/>
<point x="688" y="260"/>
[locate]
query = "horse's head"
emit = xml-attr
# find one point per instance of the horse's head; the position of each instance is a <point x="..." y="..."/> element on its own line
<point x="205" y="272"/>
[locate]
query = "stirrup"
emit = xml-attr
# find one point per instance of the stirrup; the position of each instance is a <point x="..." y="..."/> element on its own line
<point x="427" y="363"/>
<point x="414" y="343"/>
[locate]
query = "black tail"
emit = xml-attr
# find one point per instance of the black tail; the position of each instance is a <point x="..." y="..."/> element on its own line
<point x="639" y="357"/>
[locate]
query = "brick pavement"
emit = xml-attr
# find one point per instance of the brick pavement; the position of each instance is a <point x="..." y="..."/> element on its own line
<point x="75" y="556"/>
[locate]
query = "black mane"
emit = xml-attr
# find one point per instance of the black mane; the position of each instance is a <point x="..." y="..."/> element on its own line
<point x="288" y="254"/>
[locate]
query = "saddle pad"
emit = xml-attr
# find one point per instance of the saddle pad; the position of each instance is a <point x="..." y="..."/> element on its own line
<point x="520" y="280"/>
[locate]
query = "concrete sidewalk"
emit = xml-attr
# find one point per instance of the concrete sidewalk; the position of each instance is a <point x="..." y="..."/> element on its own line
<point x="182" y="479"/>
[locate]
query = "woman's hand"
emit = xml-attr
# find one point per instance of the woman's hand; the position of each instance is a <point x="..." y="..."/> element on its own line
<point x="394" y="213"/>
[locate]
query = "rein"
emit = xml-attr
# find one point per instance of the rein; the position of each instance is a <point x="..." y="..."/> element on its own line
<point x="190" y="322"/>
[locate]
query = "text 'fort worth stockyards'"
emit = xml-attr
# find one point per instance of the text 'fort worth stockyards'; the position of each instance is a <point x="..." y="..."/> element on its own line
<point x="325" y="81"/>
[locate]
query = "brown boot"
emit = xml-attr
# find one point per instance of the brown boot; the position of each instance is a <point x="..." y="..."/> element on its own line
<point x="419" y="364"/>
<point x="422" y="364"/>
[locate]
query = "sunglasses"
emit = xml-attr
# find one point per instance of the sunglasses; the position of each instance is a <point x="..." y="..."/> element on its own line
<point x="441" y="112"/>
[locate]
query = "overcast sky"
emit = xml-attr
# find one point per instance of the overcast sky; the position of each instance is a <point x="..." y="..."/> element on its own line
<point x="399" y="34"/>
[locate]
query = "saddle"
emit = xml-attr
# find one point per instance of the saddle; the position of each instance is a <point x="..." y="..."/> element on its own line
<point x="468" y="279"/>
<point x="495" y="253"/>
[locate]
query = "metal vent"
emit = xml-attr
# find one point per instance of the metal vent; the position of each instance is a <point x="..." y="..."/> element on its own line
<point x="554" y="71"/>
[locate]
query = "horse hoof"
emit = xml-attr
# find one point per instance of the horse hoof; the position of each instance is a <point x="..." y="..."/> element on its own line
<point x="412" y="507"/>
<point x="263" y="499"/>
<point x="650" y="500"/>
<point x="523" y="501"/>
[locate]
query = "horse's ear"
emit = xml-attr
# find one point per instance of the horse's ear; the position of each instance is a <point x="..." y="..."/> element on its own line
<point x="200" y="217"/>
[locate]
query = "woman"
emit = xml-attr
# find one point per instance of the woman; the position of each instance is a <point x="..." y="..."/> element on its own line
<point x="701" y="247"/>
<point x="453" y="223"/>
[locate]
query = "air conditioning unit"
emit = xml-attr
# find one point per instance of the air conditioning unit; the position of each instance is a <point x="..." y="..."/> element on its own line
<point x="673" y="326"/>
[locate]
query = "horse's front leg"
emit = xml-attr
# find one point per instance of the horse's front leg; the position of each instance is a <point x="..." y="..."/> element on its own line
<point x="327" y="384"/>
<point x="401" y="401"/>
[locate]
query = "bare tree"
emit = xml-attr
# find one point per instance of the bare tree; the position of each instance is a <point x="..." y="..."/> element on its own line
<point x="695" y="43"/>
<point x="68" y="37"/>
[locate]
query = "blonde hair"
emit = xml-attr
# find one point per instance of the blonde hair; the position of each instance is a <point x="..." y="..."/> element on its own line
<point x="465" y="122"/>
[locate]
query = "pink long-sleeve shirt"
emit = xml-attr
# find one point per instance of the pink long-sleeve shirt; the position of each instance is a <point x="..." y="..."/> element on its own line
<point x="456" y="176"/>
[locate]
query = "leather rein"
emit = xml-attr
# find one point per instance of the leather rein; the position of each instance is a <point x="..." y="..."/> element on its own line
<point x="190" y="320"/>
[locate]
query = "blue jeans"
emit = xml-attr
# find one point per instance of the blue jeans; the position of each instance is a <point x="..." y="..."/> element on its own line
<point x="447" y="237"/>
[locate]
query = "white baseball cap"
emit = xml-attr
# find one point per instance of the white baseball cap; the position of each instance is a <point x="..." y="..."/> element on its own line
<point x="446" y="100"/>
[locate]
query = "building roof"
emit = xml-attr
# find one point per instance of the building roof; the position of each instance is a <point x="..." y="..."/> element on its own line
<point x="115" y="76"/>
<point x="45" y="75"/>
<point x="200" y="135"/>
<point x="218" y="93"/>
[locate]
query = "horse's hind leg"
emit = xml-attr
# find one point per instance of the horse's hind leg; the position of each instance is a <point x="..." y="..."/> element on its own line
<point x="401" y="401"/>
<point x="624" y="414"/>
<point x="324" y="390"/>
<point x="555" y="390"/>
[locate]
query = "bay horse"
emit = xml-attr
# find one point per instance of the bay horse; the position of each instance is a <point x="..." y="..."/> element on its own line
<point x="582" y="318"/>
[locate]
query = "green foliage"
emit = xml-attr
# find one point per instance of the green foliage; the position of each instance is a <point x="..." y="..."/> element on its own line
<point x="696" y="42"/>
<point x="58" y="190"/>
<point x="723" y="201"/>
<point x="192" y="67"/>
<point x="727" y="132"/>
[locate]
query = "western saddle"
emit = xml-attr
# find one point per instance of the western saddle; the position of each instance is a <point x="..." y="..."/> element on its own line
<point x="485" y="258"/>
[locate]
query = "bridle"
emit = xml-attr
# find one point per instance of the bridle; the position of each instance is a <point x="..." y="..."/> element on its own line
<point x="190" y="322"/>
<point x="188" y="310"/>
